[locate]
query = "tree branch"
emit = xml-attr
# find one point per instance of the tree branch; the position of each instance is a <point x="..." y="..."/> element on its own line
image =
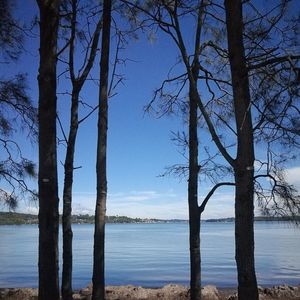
<point x="272" y="61"/>
<point x="208" y="196"/>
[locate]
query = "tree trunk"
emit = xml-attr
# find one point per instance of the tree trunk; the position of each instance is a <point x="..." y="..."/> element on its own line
<point x="244" y="164"/>
<point x="99" y="235"/>
<point x="48" y="187"/>
<point x="77" y="84"/>
<point x="194" y="218"/>
<point x="66" y="287"/>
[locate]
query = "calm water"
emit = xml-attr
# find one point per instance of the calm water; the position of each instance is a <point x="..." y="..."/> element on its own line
<point x="156" y="254"/>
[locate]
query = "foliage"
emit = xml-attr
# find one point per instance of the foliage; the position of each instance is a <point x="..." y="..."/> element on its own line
<point x="12" y="218"/>
<point x="271" y="37"/>
<point x="11" y="34"/>
<point x="17" y="115"/>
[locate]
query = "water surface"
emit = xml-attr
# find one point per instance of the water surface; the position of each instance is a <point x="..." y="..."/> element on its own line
<point x="153" y="255"/>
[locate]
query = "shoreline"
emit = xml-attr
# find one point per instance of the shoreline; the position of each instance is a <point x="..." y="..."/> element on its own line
<point x="17" y="218"/>
<point x="168" y="292"/>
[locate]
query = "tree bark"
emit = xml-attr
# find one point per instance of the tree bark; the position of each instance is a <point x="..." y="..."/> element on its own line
<point x="194" y="216"/>
<point x="194" y="211"/>
<point x="66" y="287"/>
<point x="244" y="164"/>
<point x="48" y="187"/>
<point x="99" y="235"/>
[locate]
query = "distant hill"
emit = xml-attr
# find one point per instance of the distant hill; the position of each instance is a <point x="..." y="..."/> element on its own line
<point x="10" y="218"/>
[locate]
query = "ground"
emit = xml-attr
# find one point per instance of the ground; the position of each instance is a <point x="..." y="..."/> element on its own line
<point x="168" y="292"/>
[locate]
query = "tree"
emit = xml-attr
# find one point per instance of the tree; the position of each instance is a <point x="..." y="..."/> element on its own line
<point x="271" y="41"/>
<point x="168" y="15"/>
<point x="16" y="111"/>
<point x="100" y="211"/>
<point x="77" y="85"/>
<point x="254" y="60"/>
<point x="241" y="59"/>
<point x="48" y="187"/>
<point x="220" y="107"/>
<point x="244" y="162"/>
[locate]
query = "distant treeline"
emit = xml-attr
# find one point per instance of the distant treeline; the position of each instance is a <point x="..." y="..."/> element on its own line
<point x="258" y="219"/>
<point x="11" y="218"/>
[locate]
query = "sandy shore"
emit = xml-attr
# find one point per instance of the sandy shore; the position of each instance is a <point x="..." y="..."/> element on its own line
<point x="168" y="292"/>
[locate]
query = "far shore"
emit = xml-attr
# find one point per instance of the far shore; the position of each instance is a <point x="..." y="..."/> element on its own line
<point x="168" y="292"/>
<point x="13" y="218"/>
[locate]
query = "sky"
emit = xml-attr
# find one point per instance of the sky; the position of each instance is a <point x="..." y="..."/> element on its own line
<point x="139" y="144"/>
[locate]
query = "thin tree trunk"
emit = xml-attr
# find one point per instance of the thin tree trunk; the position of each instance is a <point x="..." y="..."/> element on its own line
<point x="77" y="83"/>
<point x="99" y="235"/>
<point x="194" y="212"/>
<point x="244" y="170"/>
<point x="194" y="218"/>
<point x="66" y="288"/>
<point x="48" y="187"/>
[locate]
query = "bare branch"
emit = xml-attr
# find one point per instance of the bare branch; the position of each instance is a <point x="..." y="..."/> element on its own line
<point x="272" y="61"/>
<point x="209" y="195"/>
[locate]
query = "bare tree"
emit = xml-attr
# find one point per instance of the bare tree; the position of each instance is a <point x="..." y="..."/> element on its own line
<point x="48" y="186"/>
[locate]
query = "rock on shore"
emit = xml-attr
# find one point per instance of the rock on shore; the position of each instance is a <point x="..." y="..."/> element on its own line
<point x="168" y="292"/>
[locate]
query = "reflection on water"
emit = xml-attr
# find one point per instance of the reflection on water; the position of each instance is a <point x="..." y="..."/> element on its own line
<point x="157" y="254"/>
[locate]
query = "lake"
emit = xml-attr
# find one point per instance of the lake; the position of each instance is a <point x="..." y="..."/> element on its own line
<point x="153" y="255"/>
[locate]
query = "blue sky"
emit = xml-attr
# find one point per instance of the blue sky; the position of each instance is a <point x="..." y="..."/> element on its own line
<point x="139" y="145"/>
